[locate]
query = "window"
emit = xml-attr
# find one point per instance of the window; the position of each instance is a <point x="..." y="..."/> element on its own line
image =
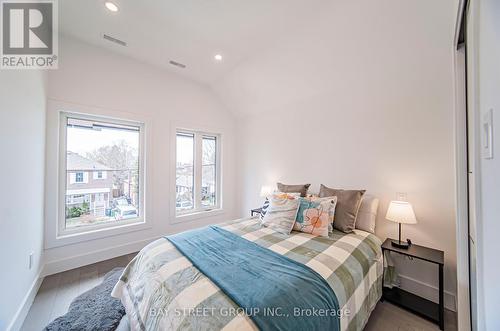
<point x="109" y="151"/>
<point x="208" y="171"/>
<point x="197" y="180"/>
<point x="184" y="176"/>
<point x="79" y="177"/>
<point x="98" y="175"/>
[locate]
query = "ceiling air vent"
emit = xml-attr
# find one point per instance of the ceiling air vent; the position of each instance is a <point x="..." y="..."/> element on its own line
<point x="114" y="40"/>
<point x="177" y="64"/>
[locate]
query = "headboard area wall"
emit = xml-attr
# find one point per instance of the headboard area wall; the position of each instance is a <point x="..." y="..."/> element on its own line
<point x="378" y="161"/>
<point x="372" y="115"/>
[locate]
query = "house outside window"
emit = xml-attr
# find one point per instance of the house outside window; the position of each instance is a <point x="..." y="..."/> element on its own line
<point x="197" y="176"/>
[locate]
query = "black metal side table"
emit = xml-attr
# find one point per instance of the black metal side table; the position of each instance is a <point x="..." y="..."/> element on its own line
<point x="255" y="211"/>
<point x="414" y="303"/>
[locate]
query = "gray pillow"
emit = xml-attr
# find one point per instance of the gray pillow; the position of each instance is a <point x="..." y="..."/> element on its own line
<point x="302" y="189"/>
<point x="348" y="202"/>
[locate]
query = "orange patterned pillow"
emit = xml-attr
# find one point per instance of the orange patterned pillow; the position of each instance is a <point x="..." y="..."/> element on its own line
<point x="314" y="215"/>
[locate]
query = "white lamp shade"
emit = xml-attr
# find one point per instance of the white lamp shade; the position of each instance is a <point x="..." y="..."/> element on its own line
<point x="266" y="191"/>
<point x="401" y="212"/>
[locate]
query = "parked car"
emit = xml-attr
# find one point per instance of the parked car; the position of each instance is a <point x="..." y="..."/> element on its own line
<point x="121" y="201"/>
<point x="184" y="204"/>
<point x="123" y="212"/>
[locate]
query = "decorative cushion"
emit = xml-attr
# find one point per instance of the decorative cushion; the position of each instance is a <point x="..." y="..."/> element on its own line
<point x="302" y="189"/>
<point x="332" y="211"/>
<point x="348" y="202"/>
<point x="314" y="215"/>
<point x="281" y="213"/>
<point x="264" y="208"/>
<point x="367" y="213"/>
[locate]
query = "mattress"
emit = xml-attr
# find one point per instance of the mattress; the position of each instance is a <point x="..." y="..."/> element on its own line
<point x="162" y="290"/>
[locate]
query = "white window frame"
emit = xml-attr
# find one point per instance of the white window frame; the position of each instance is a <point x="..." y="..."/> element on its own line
<point x="62" y="231"/>
<point x="198" y="211"/>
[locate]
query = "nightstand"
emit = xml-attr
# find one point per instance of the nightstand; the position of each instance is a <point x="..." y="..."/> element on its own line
<point x="418" y="305"/>
<point x="255" y="211"/>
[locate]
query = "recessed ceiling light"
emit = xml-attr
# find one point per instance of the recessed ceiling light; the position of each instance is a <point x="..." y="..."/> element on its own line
<point x="218" y="57"/>
<point x="111" y="6"/>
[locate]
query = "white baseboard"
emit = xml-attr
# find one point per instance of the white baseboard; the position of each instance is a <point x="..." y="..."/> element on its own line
<point x="24" y="308"/>
<point x="67" y="264"/>
<point x="427" y="291"/>
<point x="78" y="261"/>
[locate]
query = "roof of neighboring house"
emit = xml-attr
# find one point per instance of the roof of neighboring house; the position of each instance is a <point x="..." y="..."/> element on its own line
<point x="77" y="162"/>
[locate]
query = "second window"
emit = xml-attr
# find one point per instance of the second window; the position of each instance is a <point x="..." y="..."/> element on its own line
<point x="197" y="172"/>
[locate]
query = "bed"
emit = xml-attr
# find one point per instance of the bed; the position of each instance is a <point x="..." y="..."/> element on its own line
<point x="162" y="290"/>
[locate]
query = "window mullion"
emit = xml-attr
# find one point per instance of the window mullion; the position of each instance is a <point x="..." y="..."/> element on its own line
<point x="198" y="159"/>
<point x="218" y="188"/>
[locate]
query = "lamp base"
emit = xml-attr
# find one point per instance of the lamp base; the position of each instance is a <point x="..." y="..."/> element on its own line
<point x="400" y="244"/>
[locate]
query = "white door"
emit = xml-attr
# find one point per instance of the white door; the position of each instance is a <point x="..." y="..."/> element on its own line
<point x="472" y="161"/>
<point x="462" y="232"/>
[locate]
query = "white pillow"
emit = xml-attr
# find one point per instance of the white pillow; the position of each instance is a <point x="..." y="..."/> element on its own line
<point x="281" y="213"/>
<point x="367" y="213"/>
<point x="264" y="208"/>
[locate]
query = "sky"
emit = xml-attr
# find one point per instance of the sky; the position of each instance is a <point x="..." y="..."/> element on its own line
<point x="84" y="141"/>
<point x="185" y="149"/>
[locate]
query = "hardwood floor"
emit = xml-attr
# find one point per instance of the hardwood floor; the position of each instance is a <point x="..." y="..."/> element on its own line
<point x="388" y="317"/>
<point x="57" y="292"/>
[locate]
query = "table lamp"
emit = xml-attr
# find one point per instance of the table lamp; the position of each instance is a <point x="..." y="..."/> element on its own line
<point x="401" y="212"/>
<point x="266" y="191"/>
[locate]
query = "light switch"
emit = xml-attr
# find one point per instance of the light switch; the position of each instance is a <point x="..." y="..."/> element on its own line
<point x="30" y="263"/>
<point x="487" y="135"/>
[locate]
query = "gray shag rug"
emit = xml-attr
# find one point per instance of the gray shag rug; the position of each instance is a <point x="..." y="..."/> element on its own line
<point x="93" y="310"/>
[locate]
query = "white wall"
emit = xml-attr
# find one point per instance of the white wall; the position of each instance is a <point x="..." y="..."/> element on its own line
<point x="91" y="76"/>
<point x="362" y="98"/>
<point x="22" y="127"/>
<point x="486" y="71"/>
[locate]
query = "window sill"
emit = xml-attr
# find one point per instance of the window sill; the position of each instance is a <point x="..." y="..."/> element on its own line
<point x="95" y="233"/>
<point x="196" y="215"/>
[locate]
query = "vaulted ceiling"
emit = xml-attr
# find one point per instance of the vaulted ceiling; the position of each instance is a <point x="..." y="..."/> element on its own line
<point x="190" y="32"/>
<point x="277" y="53"/>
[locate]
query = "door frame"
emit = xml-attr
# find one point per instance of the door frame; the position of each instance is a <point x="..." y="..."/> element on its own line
<point x="462" y="198"/>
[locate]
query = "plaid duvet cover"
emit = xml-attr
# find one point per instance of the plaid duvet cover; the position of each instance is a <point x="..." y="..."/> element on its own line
<point x="162" y="290"/>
